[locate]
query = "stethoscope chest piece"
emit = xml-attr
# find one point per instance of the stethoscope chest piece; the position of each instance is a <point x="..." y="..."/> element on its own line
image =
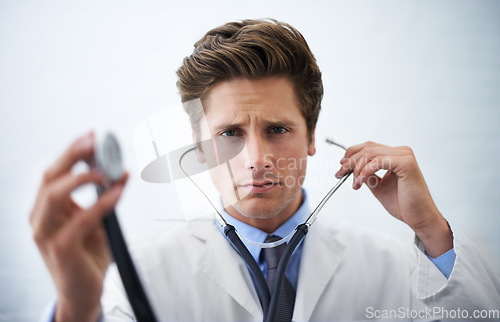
<point x="107" y="156"/>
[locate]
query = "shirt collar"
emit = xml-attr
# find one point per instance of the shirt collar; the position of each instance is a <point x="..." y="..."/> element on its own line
<point x="257" y="235"/>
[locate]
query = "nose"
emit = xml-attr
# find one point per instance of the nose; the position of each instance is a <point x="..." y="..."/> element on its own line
<point x="259" y="153"/>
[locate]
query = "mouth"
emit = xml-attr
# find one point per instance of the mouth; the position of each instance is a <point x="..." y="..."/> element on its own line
<point x="260" y="186"/>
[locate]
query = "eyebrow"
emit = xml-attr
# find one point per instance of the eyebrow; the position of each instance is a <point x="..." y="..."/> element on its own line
<point x="267" y="124"/>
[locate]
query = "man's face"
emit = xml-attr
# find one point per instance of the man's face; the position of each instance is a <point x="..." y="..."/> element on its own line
<point x="264" y="118"/>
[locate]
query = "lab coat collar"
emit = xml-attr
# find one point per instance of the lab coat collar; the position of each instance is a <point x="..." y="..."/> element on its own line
<point x="320" y="246"/>
<point x="229" y="271"/>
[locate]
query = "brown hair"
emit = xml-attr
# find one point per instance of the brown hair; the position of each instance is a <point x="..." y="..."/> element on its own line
<point x="252" y="49"/>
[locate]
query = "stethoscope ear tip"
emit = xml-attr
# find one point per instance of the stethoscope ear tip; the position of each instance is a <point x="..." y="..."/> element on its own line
<point x="331" y="141"/>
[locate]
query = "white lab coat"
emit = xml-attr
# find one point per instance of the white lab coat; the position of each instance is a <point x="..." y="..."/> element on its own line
<point x="193" y="273"/>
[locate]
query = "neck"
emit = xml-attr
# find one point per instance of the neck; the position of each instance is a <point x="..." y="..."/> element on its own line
<point x="271" y="224"/>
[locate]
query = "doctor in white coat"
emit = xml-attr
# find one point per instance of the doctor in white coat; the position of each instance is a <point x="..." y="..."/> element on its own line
<point x="346" y="274"/>
<point x="259" y="83"/>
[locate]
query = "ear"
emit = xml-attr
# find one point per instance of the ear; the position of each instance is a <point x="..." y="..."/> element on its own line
<point x="199" y="153"/>
<point x="311" y="150"/>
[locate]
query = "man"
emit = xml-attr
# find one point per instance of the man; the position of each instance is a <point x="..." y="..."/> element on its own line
<point x="258" y="82"/>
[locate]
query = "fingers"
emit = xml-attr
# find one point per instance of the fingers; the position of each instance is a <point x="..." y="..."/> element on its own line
<point x="123" y="178"/>
<point x="54" y="201"/>
<point x="62" y="188"/>
<point x="82" y="148"/>
<point x="358" y="156"/>
<point x="54" y="207"/>
<point x="366" y="172"/>
<point x="90" y="219"/>
<point x="367" y="155"/>
<point x="348" y="163"/>
<point x="364" y="160"/>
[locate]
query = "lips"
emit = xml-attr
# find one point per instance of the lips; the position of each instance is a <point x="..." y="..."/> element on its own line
<point x="260" y="186"/>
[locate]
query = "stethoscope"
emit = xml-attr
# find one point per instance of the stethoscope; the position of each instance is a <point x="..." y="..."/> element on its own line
<point x="108" y="160"/>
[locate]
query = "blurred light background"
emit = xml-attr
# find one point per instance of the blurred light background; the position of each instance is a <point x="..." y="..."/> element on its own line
<point x="420" y="73"/>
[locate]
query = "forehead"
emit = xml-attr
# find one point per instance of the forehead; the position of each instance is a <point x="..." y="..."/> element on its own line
<point x="272" y="97"/>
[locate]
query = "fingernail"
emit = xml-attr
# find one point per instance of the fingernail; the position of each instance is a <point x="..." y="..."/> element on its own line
<point x="337" y="175"/>
<point x="343" y="160"/>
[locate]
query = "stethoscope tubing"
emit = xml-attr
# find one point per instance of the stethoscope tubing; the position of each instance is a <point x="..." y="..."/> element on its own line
<point x="133" y="287"/>
<point x="262" y="287"/>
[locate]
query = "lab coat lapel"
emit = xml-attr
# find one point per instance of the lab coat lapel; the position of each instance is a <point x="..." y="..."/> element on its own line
<point x="321" y="255"/>
<point x="224" y="266"/>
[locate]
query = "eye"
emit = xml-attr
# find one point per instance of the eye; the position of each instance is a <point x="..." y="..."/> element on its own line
<point x="229" y="133"/>
<point x="278" y="130"/>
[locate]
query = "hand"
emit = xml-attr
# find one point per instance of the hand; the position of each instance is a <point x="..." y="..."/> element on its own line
<point x="402" y="191"/>
<point x="71" y="239"/>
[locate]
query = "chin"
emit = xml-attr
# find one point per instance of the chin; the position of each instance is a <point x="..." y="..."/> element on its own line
<point x="261" y="206"/>
<point x="259" y="209"/>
